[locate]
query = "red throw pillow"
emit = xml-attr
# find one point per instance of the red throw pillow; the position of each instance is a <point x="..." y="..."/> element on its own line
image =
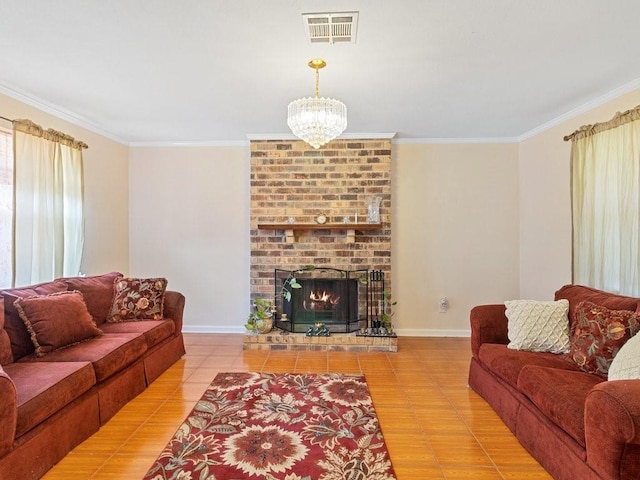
<point x="598" y="333"/>
<point x="56" y="321"/>
<point x="138" y="299"/>
<point x="6" y="356"/>
<point x="21" y="344"/>
<point x="97" y="292"/>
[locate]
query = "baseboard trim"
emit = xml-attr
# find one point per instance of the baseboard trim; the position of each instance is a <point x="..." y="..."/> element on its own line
<point x="431" y="332"/>
<point x="212" y="329"/>
<point x="401" y="332"/>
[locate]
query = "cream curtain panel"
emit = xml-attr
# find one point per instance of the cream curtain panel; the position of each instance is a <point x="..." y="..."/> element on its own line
<point x="605" y="175"/>
<point x="6" y="207"/>
<point x="48" y="207"/>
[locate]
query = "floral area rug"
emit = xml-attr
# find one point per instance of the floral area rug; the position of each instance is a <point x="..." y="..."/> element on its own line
<point x="278" y="426"/>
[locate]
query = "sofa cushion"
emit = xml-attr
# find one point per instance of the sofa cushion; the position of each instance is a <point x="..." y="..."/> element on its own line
<point x="44" y="388"/>
<point x="154" y="331"/>
<point x="5" y="343"/>
<point x="56" y="321"/>
<point x="538" y="326"/>
<point x="138" y="299"/>
<point x="507" y="363"/>
<point x="560" y="395"/>
<point x="21" y="343"/>
<point x="597" y="333"/>
<point x="97" y="292"/>
<point x="579" y="293"/>
<point x="626" y="364"/>
<point x="108" y="354"/>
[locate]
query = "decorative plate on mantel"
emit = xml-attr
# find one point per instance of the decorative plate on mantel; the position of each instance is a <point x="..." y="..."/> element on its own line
<point x="321" y="218"/>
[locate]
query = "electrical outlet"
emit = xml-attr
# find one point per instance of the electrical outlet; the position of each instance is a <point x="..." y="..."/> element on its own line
<point x="443" y="304"/>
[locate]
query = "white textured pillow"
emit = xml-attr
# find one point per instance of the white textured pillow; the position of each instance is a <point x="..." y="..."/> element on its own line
<point x="626" y="363"/>
<point x="538" y="326"/>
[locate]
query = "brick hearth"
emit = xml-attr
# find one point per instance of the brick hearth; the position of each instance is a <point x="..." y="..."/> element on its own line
<point x="346" y="342"/>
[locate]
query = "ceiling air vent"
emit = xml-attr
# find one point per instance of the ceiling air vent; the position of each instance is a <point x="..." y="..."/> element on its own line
<point x="331" y="27"/>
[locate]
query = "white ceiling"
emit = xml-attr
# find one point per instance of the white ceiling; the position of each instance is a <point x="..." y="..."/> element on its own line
<point x="145" y="71"/>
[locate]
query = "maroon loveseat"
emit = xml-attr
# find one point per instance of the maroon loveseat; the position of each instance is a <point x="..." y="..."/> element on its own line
<point x="51" y="403"/>
<point x="577" y="425"/>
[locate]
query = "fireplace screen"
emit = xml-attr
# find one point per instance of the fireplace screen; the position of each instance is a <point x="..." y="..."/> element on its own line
<point x="336" y="298"/>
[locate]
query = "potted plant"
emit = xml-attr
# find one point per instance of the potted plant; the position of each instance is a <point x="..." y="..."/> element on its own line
<point x="261" y="318"/>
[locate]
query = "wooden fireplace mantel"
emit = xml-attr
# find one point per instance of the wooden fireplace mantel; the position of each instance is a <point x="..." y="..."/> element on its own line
<point x="291" y="228"/>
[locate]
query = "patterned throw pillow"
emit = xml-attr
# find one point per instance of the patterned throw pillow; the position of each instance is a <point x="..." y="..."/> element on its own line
<point x="137" y="299"/>
<point x="626" y="364"/>
<point x="56" y="321"/>
<point x="538" y="326"/>
<point x="598" y="333"/>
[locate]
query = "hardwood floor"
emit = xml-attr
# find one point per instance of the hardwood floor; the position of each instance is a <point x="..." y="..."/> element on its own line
<point x="435" y="427"/>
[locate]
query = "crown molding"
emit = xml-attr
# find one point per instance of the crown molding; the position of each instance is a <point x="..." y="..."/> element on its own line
<point x="203" y="143"/>
<point x="590" y="105"/>
<point x="401" y="141"/>
<point x="58" y="112"/>
<point x="80" y="121"/>
<point x="344" y="136"/>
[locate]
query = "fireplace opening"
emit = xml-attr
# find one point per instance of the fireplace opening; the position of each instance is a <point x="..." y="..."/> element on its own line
<point x="335" y="298"/>
<point x="330" y="301"/>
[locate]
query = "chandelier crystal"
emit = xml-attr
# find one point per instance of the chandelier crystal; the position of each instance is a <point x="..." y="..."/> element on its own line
<point x="317" y="120"/>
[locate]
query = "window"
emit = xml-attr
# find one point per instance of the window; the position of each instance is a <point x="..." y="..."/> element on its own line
<point x="41" y="205"/>
<point x="6" y="206"/>
<point x="605" y="176"/>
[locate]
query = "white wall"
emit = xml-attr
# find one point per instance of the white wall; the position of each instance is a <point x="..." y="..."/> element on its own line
<point x="455" y="232"/>
<point x="189" y="222"/>
<point x="106" y="194"/>
<point x="545" y="201"/>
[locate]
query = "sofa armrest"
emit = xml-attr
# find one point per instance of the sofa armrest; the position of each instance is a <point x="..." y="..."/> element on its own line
<point x="612" y="428"/>
<point x="488" y="325"/>
<point x="174" y="308"/>
<point x="8" y="412"/>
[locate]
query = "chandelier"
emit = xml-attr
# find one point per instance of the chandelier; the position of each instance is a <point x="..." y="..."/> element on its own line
<point x="317" y="120"/>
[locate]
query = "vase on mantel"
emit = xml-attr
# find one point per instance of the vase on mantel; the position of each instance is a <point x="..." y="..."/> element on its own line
<point x="373" y="209"/>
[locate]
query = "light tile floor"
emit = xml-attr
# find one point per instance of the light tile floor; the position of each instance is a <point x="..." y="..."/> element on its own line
<point x="435" y="427"/>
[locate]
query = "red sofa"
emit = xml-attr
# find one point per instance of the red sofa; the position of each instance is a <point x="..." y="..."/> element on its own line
<point x="577" y="425"/>
<point x="49" y="404"/>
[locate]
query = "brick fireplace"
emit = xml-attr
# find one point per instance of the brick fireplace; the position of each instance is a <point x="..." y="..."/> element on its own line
<point x="292" y="182"/>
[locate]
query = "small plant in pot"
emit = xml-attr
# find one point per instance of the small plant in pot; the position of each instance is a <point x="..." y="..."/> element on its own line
<point x="261" y="319"/>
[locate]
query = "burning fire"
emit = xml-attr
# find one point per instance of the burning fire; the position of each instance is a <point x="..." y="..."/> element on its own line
<point x="318" y="301"/>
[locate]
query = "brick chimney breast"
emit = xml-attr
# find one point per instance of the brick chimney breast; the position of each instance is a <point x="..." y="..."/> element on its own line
<point x="291" y="180"/>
